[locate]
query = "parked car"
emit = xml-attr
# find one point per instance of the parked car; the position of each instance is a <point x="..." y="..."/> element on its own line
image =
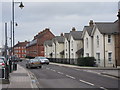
<point x="2" y="63"/>
<point x="33" y="63"/>
<point x="43" y="60"/>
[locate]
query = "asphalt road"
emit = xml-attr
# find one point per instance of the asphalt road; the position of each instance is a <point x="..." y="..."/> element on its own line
<point x="54" y="76"/>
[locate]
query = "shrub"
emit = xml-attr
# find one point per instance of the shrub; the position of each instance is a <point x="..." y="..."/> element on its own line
<point x="86" y="61"/>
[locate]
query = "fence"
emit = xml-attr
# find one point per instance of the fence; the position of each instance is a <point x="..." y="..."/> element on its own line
<point x="63" y="60"/>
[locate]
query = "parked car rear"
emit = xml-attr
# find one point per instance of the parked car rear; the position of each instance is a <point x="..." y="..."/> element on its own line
<point x="33" y="63"/>
<point x="43" y="60"/>
<point x="2" y="63"/>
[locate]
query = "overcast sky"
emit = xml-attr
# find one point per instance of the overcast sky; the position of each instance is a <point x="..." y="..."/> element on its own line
<point x="60" y="17"/>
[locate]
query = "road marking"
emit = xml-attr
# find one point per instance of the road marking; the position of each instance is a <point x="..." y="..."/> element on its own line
<point x="60" y="72"/>
<point x="48" y="68"/>
<point x="87" y="82"/>
<point x="103" y="88"/>
<point x="52" y="70"/>
<point x="92" y="71"/>
<point x="70" y="76"/>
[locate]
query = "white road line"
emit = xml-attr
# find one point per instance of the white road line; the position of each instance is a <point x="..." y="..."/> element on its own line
<point x="77" y="69"/>
<point x="60" y="72"/>
<point x="70" y="76"/>
<point x="103" y="88"/>
<point x="52" y="70"/>
<point x="91" y="71"/>
<point x="87" y="82"/>
<point x="48" y="68"/>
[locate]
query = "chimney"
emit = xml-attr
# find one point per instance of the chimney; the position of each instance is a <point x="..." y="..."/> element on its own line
<point x="61" y="34"/>
<point x="73" y="29"/>
<point x="47" y="29"/>
<point x="18" y="41"/>
<point x="91" y="23"/>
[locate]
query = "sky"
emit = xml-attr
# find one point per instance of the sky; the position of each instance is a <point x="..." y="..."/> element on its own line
<point x="60" y="17"/>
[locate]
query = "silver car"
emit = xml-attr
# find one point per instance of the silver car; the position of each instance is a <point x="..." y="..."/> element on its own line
<point x="43" y="60"/>
<point x="33" y="63"/>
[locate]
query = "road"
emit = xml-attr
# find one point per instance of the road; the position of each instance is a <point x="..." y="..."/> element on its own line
<point x="54" y="76"/>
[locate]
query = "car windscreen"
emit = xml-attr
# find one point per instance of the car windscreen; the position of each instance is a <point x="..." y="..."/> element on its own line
<point x="1" y="61"/>
<point x="42" y="57"/>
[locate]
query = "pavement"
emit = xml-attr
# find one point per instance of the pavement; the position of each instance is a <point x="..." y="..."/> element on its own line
<point x="21" y="78"/>
<point x="108" y="71"/>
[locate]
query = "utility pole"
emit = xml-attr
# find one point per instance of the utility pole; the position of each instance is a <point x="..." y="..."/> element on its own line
<point x="6" y="40"/>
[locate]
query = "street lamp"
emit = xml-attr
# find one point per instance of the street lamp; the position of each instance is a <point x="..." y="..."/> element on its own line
<point x="13" y="9"/>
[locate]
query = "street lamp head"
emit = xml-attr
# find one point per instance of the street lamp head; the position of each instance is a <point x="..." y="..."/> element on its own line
<point x="21" y="5"/>
<point x="16" y="24"/>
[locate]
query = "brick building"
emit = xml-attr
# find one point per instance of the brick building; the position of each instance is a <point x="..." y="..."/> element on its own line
<point x="20" y="49"/>
<point x="36" y="46"/>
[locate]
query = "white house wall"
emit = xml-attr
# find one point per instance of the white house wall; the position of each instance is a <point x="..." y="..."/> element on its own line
<point x="77" y="44"/>
<point x="59" y="48"/>
<point x="110" y="47"/>
<point x="100" y="48"/>
<point x="88" y="49"/>
<point x="66" y="48"/>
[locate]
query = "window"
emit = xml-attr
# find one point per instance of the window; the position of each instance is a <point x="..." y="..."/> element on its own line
<point x="110" y="56"/>
<point x="98" y="57"/>
<point x="87" y="54"/>
<point x="109" y="38"/>
<point x="87" y="42"/>
<point x="97" y="41"/>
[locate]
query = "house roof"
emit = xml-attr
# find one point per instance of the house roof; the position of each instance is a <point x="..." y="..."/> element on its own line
<point x="77" y="35"/>
<point x="66" y="35"/>
<point x="33" y="42"/>
<point x="60" y="39"/>
<point x="48" y="42"/>
<point x="89" y="29"/>
<point x="107" y="28"/>
<point x="21" y="44"/>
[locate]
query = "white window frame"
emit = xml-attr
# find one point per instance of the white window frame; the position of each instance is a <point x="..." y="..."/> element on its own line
<point x="109" y="58"/>
<point x="109" y="38"/>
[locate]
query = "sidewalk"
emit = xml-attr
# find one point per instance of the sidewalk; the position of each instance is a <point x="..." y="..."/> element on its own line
<point x="109" y="71"/>
<point x="20" y="78"/>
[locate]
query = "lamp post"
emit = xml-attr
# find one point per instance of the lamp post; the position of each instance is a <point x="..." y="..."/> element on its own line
<point x="13" y="9"/>
<point x="13" y="15"/>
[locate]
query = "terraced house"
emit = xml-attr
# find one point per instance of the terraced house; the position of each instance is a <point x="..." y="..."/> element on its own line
<point x="36" y="46"/>
<point x="20" y="49"/>
<point x="58" y="47"/>
<point x="48" y="48"/>
<point x="99" y="42"/>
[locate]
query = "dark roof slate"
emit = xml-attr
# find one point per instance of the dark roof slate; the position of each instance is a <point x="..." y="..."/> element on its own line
<point x="77" y="35"/>
<point x="107" y="28"/>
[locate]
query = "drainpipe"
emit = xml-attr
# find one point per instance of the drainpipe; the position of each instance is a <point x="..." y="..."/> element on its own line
<point x="104" y="49"/>
<point x="69" y="51"/>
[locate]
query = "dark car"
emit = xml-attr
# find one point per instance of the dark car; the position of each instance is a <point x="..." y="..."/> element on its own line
<point x="33" y="63"/>
<point x="43" y="60"/>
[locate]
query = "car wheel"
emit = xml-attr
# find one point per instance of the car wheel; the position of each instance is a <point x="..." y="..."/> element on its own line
<point x="26" y="66"/>
<point x="40" y="66"/>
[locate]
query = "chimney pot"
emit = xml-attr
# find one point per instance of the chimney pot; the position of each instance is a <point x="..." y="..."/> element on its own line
<point x="91" y="23"/>
<point x="73" y="29"/>
<point x="61" y="34"/>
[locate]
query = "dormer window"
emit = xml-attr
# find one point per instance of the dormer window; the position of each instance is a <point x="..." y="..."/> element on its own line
<point x="109" y="38"/>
